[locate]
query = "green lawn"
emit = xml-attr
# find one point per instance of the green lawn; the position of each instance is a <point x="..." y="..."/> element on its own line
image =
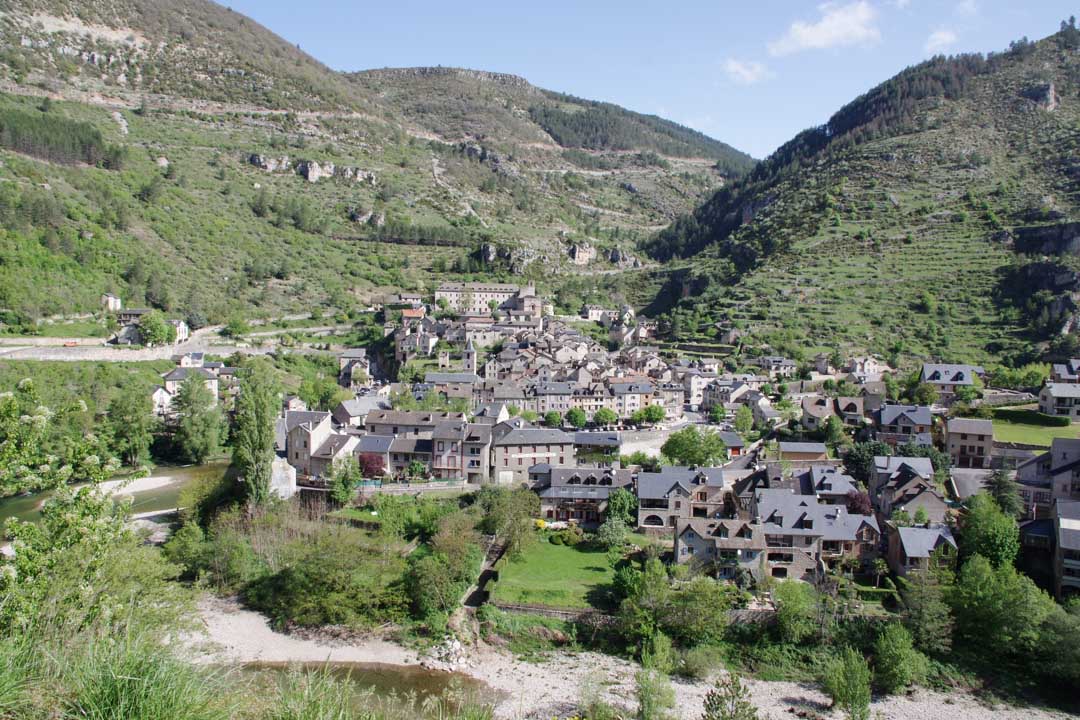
<point x="72" y="330"/>
<point x="1006" y="430"/>
<point x="553" y="575"/>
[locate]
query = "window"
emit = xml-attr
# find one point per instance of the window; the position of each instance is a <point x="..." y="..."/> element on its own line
<point x="442" y="446"/>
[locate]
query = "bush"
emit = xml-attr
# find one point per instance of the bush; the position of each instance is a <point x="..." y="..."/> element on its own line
<point x="847" y="682"/>
<point x="897" y="664"/>
<point x="1031" y="417"/>
<point x="701" y="662"/>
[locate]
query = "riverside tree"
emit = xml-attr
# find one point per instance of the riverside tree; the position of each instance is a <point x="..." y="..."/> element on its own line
<point x="253" y="432"/>
<point x="130" y="424"/>
<point x="199" y="425"/>
<point x="847" y="682"/>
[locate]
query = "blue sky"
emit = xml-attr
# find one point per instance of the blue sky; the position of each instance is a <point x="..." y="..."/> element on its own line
<point x="749" y="73"/>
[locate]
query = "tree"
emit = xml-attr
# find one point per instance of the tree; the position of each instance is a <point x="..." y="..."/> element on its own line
<point x="717" y="415"/>
<point x="998" y="610"/>
<point x="553" y="419"/>
<point x="926" y="614"/>
<point x="921" y="516"/>
<point x="235" y="327"/>
<point x="130" y="424"/>
<point x="729" y="699"/>
<point x="744" y="420"/>
<point x="604" y="417"/>
<point x="858" y="503"/>
<point x="416" y="469"/>
<point x="859" y="459"/>
<point x="655" y="695"/>
<point x="900" y="518"/>
<point x="691" y="446"/>
<point x="253" y="430"/>
<point x="653" y="414"/>
<point x="796" y="608"/>
<point x="371" y="465"/>
<point x="153" y="330"/>
<point x="847" y="682"/>
<point x="834" y="431"/>
<point x="897" y="664"/>
<point x="881" y="568"/>
<point x="924" y="394"/>
<point x="989" y="532"/>
<point x="1003" y="487"/>
<point x="199" y="427"/>
<point x="508" y="515"/>
<point x="575" y="417"/>
<point x="623" y="504"/>
<point x="612" y="534"/>
<point x="344" y="477"/>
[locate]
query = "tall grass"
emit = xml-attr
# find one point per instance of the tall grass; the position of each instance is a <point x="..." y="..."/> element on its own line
<point x="130" y="677"/>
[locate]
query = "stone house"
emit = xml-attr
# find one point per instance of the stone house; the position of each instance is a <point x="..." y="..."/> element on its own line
<point x="946" y="379"/>
<point x="724" y="547"/>
<point x="578" y="494"/>
<point x="970" y="442"/>
<point x="681" y="492"/>
<point x="514" y="452"/>
<point x="903" y="424"/>
<point x="1060" y="399"/>
<point x="913" y="548"/>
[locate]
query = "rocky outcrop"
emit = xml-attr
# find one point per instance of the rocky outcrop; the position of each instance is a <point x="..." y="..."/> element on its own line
<point x="582" y="253"/>
<point x="1059" y="239"/>
<point x="1044" y="96"/>
<point x="270" y="164"/>
<point x="499" y="163"/>
<point x="621" y="258"/>
<point x="311" y="170"/>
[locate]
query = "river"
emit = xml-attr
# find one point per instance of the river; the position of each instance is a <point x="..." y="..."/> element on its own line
<point x="162" y="497"/>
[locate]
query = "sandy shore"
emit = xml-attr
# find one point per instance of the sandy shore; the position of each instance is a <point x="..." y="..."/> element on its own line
<point x="128" y="486"/>
<point x="551" y="689"/>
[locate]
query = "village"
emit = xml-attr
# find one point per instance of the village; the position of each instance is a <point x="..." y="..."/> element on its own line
<point x="511" y="395"/>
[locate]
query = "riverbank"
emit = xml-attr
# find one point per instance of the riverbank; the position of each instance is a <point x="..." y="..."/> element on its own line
<point x="551" y="689"/>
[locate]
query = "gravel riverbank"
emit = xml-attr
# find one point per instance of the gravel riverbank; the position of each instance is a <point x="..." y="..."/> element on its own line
<point x="550" y="689"/>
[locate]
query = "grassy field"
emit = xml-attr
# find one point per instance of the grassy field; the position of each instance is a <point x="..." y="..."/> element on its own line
<point x="1006" y="429"/>
<point x="554" y="575"/>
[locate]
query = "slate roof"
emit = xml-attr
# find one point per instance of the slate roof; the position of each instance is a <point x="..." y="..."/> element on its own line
<point x="732" y="439"/>
<point x="803" y="447"/>
<point x="917" y="414"/>
<point x="971" y="426"/>
<point x="968" y="481"/>
<point x="921" y="542"/>
<point x="598" y="439"/>
<point x="1068" y="513"/>
<point x="535" y="436"/>
<point x="377" y="444"/>
<point x="784" y="512"/>
<point x="441" y="378"/>
<point x="1063" y="390"/>
<point x="657" y="485"/>
<point x="944" y="374"/>
<point x="829" y="480"/>
<point x="179" y="374"/>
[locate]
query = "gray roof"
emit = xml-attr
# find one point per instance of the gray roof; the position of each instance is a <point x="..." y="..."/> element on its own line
<point x="657" y="485"/>
<point x="438" y="378"/>
<point x="784" y="512"/>
<point x="180" y="374"/>
<point x="362" y="405"/>
<point x="1062" y="390"/>
<point x="598" y="439"/>
<point x="917" y="414"/>
<point x="803" y="447"/>
<point x="631" y="388"/>
<point x="732" y="439"/>
<point x="829" y="480"/>
<point x="971" y="426"/>
<point x="535" y="436"/>
<point x="889" y="465"/>
<point x="377" y="444"/>
<point x="942" y="374"/>
<point x="354" y="353"/>
<point x="1068" y="514"/>
<point x="968" y="481"/>
<point x="921" y="542"/>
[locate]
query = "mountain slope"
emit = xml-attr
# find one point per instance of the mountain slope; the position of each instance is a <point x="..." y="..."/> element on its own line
<point x="899" y="226"/>
<point x="218" y="170"/>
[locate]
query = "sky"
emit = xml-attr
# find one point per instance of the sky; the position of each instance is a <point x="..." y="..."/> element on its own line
<point x="751" y="74"/>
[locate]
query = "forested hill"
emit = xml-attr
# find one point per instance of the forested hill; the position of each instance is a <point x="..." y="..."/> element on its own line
<point x="456" y="103"/>
<point x="902" y="224"/>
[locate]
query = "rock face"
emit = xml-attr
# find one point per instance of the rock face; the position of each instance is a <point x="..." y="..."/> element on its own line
<point x="582" y="253"/>
<point x="1059" y="239"/>
<point x="1045" y="96"/>
<point x="311" y="170"/>
<point x="622" y="258"/>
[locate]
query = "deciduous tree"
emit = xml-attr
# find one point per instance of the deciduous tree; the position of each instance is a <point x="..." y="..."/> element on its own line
<point x="199" y="427"/>
<point x="253" y="432"/>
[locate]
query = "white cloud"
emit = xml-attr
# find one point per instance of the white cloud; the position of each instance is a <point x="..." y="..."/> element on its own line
<point x="746" y="72"/>
<point x="967" y="7"/>
<point x="840" y="25"/>
<point x="901" y="4"/>
<point x="939" y="40"/>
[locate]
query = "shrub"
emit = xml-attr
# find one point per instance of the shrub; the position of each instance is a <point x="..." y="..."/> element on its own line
<point x="847" y="682"/>
<point x="702" y="661"/>
<point x="897" y="664"/>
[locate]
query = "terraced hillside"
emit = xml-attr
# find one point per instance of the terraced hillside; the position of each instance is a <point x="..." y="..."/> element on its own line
<point x="905" y="226"/>
<point x="246" y="178"/>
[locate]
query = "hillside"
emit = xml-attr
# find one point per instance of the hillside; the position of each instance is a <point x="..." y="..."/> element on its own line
<point x="219" y="170"/>
<point x="913" y="223"/>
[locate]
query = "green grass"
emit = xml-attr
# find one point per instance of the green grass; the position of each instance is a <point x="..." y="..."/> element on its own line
<point x="555" y="576"/>
<point x="72" y="330"/>
<point x="1008" y="430"/>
